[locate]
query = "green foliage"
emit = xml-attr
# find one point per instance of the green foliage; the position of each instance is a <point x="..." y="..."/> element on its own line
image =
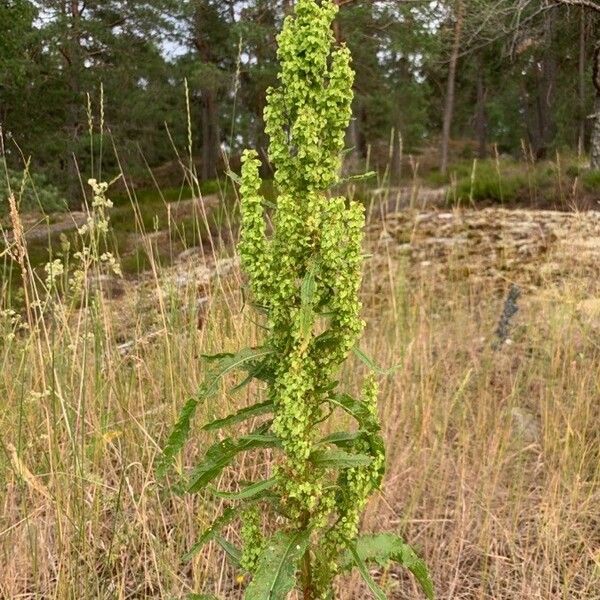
<point x="591" y="180"/>
<point x="275" y="575"/>
<point x="386" y="548"/>
<point x="33" y="191"/>
<point x="225" y="363"/>
<point x="487" y="184"/>
<point x="305" y="276"/>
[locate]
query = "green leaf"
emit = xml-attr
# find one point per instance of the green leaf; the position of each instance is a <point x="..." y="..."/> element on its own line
<point x="367" y="360"/>
<point x="181" y="431"/>
<point x="275" y="575"/>
<point x="231" y="362"/>
<point x="221" y="454"/>
<point x="211" y="533"/>
<point x="387" y="547"/>
<point x="178" y="436"/>
<point x="201" y="597"/>
<point x="263" y="371"/>
<point x="255" y="410"/>
<point x="362" y="568"/>
<point x="342" y="438"/>
<point x="307" y="299"/>
<point x="250" y="491"/>
<point x="339" y="459"/>
<point x="234" y="554"/>
<point x="308" y="289"/>
<point x="234" y="177"/>
<point x="360" y="177"/>
<point x="217" y="357"/>
<point x="357" y="409"/>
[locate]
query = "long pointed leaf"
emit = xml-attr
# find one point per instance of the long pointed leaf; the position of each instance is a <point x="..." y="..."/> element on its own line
<point x="357" y="409"/>
<point x="180" y="433"/>
<point x="367" y="360"/>
<point x="178" y="436"/>
<point x="255" y="410"/>
<point x="250" y="491"/>
<point x="234" y="554"/>
<point x="221" y="454"/>
<point x="387" y="547"/>
<point x="211" y="533"/>
<point x="275" y="575"/>
<point x="338" y="459"/>
<point x="362" y="569"/>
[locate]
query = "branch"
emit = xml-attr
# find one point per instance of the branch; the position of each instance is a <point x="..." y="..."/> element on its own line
<point x="591" y="4"/>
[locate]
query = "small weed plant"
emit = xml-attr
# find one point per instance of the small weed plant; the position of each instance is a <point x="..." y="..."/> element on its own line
<point x="300" y="528"/>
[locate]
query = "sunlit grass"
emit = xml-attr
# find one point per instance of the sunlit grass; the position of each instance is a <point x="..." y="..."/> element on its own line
<point x="494" y="455"/>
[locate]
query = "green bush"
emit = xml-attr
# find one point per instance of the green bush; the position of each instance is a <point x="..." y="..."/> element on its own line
<point x="591" y="180"/>
<point x="487" y="185"/>
<point x="32" y="191"/>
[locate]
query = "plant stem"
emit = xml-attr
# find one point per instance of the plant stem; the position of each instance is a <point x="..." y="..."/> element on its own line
<point x="307" y="583"/>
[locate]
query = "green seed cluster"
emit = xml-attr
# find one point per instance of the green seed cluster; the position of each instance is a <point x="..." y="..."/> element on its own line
<point x="252" y="538"/>
<point x="355" y="487"/>
<point x="305" y="273"/>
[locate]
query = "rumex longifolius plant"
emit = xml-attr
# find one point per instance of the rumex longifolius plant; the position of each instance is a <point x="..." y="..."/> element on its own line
<point x="304" y="277"/>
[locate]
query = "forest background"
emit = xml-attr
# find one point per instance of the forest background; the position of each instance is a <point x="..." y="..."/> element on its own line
<point x="504" y="77"/>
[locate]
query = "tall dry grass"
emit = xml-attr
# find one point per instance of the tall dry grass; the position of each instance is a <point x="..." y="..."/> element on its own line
<point x="493" y="455"/>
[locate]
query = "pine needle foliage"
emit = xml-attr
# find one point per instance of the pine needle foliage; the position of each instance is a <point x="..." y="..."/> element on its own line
<point x="304" y="277"/>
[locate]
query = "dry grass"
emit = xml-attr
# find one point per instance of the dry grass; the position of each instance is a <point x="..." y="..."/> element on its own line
<point x="494" y="455"/>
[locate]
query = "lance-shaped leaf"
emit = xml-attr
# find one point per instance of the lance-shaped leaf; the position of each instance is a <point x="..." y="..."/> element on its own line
<point x="221" y="454"/>
<point x="275" y="575"/>
<point x="339" y="459"/>
<point x="261" y="370"/>
<point x="201" y="597"/>
<point x="386" y="547"/>
<point x="306" y="315"/>
<point x="249" y="492"/>
<point x="178" y="436"/>
<point x="367" y="360"/>
<point x="234" y="554"/>
<point x="362" y="569"/>
<point x="225" y="363"/>
<point x="255" y="410"/>
<point x="342" y="438"/>
<point x="211" y="533"/>
<point x="357" y="409"/>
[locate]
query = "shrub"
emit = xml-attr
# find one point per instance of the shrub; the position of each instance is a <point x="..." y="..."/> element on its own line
<point x="591" y="180"/>
<point x="305" y="279"/>
<point x="33" y="192"/>
<point x="486" y="185"/>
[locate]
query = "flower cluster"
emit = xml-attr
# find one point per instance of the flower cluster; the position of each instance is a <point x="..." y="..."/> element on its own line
<point x="306" y="273"/>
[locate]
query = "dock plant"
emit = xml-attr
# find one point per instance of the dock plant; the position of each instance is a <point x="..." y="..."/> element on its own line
<point x="300" y="527"/>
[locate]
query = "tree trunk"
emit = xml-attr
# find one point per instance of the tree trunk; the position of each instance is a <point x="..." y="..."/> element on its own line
<point x="480" y="112"/>
<point x="450" y="88"/>
<point x="582" y="115"/>
<point x="210" y="134"/>
<point x="74" y="63"/>
<point x="546" y="91"/>
<point x="595" y="141"/>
